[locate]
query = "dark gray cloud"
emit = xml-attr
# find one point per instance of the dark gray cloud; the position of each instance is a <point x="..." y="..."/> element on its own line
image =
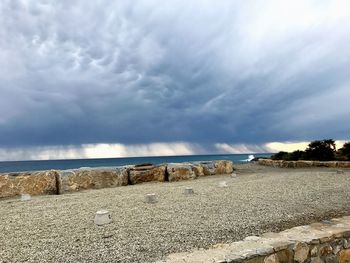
<point x="205" y="72"/>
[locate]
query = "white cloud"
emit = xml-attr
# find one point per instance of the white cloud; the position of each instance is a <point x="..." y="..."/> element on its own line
<point x="270" y="147"/>
<point x="293" y="146"/>
<point x="241" y="148"/>
<point x="136" y="150"/>
<point x="98" y="151"/>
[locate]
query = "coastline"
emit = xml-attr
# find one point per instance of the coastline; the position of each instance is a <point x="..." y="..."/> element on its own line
<point x="60" y="228"/>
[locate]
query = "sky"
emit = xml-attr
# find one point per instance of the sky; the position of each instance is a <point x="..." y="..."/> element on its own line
<point x="84" y="79"/>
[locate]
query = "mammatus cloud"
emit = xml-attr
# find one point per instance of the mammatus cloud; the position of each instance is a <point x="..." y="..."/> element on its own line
<point x="201" y="72"/>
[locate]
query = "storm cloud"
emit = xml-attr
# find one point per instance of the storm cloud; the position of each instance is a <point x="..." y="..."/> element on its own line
<point x="199" y="72"/>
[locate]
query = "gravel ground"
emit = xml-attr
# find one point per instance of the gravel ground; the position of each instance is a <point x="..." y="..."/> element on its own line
<point x="260" y="199"/>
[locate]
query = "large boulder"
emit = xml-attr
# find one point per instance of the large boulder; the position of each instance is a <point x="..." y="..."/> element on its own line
<point x="81" y="179"/>
<point x="180" y="171"/>
<point x="208" y="168"/>
<point x="198" y="169"/>
<point x="147" y="173"/>
<point x="223" y="167"/>
<point x="33" y="183"/>
<point x="216" y="167"/>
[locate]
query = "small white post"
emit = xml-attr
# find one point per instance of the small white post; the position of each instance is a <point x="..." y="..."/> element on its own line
<point x="151" y="198"/>
<point x="188" y="191"/>
<point x="25" y="197"/>
<point x="102" y="217"/>
<point x="223" y="184"/>
<point x="233" y="175"/>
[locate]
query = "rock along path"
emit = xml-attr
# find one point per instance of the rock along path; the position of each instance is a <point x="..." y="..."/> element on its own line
<point x="259" y="199"/>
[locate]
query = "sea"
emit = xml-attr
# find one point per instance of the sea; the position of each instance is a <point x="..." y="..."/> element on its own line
<point x="20" y="166"/>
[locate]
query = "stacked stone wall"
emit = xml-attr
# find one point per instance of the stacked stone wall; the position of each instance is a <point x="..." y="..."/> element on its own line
<point x="325" y="242"/>
<point x="303" y="164"/>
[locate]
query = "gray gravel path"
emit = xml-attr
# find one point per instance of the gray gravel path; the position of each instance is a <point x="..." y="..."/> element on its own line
<point x="260" y="199"/>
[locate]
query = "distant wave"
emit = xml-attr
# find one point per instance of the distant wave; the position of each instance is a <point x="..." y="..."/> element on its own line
<point x="249" y="159"/>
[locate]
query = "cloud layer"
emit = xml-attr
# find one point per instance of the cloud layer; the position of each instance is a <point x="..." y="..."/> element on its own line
<point x="117" y="150"/>
<point x="200" y="72"/>
<point x="98" y="151"/>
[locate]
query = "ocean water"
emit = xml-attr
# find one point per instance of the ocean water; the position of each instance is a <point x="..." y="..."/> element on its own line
<point x="17" y="166"/>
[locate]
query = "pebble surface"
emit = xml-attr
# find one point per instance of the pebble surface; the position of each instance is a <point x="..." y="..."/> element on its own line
<point x="259" y="199"/>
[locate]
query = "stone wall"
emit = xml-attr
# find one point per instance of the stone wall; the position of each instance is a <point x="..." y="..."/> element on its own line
<point x="33" y="183"/>
<point x="147" y="173"/>
<point x="303" y="164"/>
<point x="180" y="171"/>
<point x="188" y="171"/>
<point x="60" y="182"/>
<point x="82" y="179"/>
<point x="326" y="242"/>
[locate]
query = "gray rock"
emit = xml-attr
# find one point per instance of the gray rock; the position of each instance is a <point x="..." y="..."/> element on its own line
<point x="147" y="174"/>
<point x="179" y="172"/>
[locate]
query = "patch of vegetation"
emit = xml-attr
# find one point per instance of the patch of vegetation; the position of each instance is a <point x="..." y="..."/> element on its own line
<point x="344" y="152"/>
<point x="322" y="150"/>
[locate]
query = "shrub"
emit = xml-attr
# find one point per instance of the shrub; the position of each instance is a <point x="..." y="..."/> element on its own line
<point x="320" y="151"/>
<point x="344" y="152"/>
<point x="295" y="156"/>
<point x="279" y="156"/>
<point x="323" y="150"/>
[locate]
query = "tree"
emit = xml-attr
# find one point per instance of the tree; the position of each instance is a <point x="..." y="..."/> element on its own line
<point x="295" y="156"/>
<point x="279" y="156"/>
<point x="323" y="150"/>
<point x="344" y="152"/>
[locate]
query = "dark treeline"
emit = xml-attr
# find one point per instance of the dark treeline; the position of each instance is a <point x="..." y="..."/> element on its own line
<point x="323" y="150"/>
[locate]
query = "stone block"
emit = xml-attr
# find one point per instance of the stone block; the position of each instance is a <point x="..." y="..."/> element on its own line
<point x="325" y="249"/>
<point x="32" y="183"/>
<point x="198" y="169"/>
<point x="344" y="256"/>
<point x="179" y="172"/>
<point x="223" y="167"/>
<point x="208" y="168"/>
<point x="331" y="259"/>
<point x="147" y="174"/>
<point x="301" y="252"/>
<point x="285" y="256"/>
<point x="82" y="179"/>
<point x="272" y="259"/>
